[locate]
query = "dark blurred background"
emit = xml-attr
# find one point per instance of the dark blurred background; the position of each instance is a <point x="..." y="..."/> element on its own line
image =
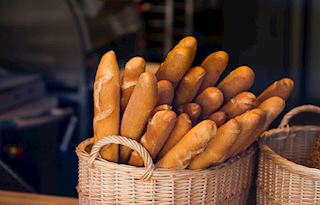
<point x="49" y="51"/>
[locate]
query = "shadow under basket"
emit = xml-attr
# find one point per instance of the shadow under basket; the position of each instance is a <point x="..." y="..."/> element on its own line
<point x="104" y="182"/>
<point x="283" y="177"/>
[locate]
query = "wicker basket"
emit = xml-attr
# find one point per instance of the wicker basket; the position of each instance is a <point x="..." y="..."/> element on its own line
<point x="103" y="182"/>
<point x="282" y="176"/>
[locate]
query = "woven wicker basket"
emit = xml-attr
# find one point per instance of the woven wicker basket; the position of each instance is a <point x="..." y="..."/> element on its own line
<point x="103" y="182"/>
<point x="282" y="176"/>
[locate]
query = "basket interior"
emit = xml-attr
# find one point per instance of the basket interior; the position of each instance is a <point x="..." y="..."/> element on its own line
<point x="294" y="145"/>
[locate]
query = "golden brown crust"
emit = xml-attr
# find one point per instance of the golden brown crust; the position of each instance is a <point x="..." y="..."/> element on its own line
<point x="249" y="122"/>
<point x="239" y="104"/>
<point x="281" y="88"/>
<point x="181" y="127"/>
<point x="192" y="109"/>
<point x="239" y="80"/>
<point x="192" y="144"/>
<point x="214" y="64"/>
<point x="189" y="85"/>
<point x="218" y="117"/>
<point x="158" y="109"/>
<point x="165" y="92"/>
<point x="158" y="130"/>
<point x="272" y="107"/>
<point x="210" y="100"/>
<point x="137" y="112"/>
<point x="133" y="69"/>
<point x="107" y="104"/>
<point x="218" y="147"/>
<point x="178" y="61"/>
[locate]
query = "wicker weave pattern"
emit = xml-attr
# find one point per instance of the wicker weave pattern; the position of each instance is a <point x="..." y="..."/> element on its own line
<point x="282" y="176"/>
<point x="103" y="182"/>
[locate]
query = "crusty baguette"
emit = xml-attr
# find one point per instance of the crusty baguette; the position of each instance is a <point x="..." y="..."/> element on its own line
<point x="189" y="42"/>
<point x="181" y="127"/>
<point x="107" y="104"/>
<point x="249" y="122"/>
<point x="273" y="107"/>
<point x="137" y="112"/>
<point x="281" y="88"/>
<point x="192" y="144"/>
<point x="165" y="92"/>
<point x="239" y="104"/>
<point x="214" y="65"/>
<point x="158" y="130"/>
<point x="178" y="61"/>
<point x="189" y="86"/>
<point x="218" y="117"/>
<point x="210" y="100"/>
<point x="239" y="80"/>
<point x="133" y="69"/>
<point x="159" y="108"/>
<point x="192" y="109"/>
<point x="218" y="147"/>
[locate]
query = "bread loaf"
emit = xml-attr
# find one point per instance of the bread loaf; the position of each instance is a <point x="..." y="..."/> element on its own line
<point x="181" y="127"/>
<point x="218" y="147"/>
<point x="165" y="92"/>
<point x="133" y="69"/>
<point x="106" y="119"/>
<point x="210" y="100"/>
<point x="272" y="107"/>
<point x="142" y="102"/>
<point x="159" y="108"/>
<point x="239" y="80"/>
<point x="158" y="130"/>
<point x="249" y="122"/>
<point x="239" y="104"/>
<point x="189" y="86"/>
<point x="192" y="144"/>
<point x="178" y="61"/>
<point x="214" y="65"/>
<point x="192" y="109"/>
<point x="218" y="117"/>
<point x="281" y="88"/>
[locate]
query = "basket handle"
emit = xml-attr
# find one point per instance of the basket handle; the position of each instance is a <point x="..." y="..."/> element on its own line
<point x="115" y="139"/>
<point x="304" y="108"/>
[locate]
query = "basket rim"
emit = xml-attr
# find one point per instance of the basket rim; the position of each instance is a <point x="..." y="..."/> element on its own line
<point x="80" y="151"/>
<point x="291" y="166"/>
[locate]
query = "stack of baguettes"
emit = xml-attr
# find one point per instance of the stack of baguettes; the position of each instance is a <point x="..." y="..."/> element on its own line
<point x="179" y="114"/>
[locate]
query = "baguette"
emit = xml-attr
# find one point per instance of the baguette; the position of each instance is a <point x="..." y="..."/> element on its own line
<point x="178" y="61"/>
<point x="107" y="104"/>
<point x="272" y="107"/>
<point x="181" y="127"/>
<point x="189" y="86"/>
<point x="218" y="146"/>
<point x="193" y="143"/>
<point x="239" y="104"/>
<point x="158" y="109"/>
<point x="249" y="122"/>
<point x="165" y="92"/>
<point x="133" y="69"/>
<point x="239" y="80"/>
<point x="192" y="109"/>
<point x="209" y="100"/>
<point x="218" y="117"/>
<point x="135" y="117"/>
<point x="214" y="65"/>
<point x="189" y="42"/>
<point x="158" y="130"/>
<point x="281" y="88"/>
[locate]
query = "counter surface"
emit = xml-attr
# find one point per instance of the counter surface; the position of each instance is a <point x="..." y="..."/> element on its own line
<point x="19" y="198"/>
